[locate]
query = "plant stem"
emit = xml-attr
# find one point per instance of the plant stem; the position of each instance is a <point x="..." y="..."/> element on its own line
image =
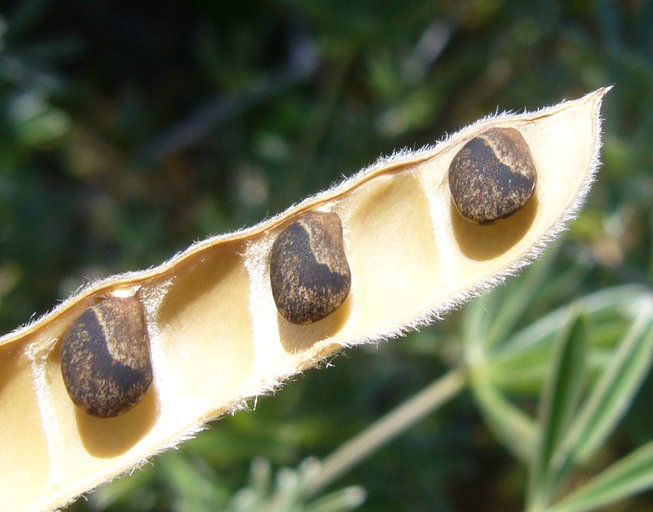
<point x="386" y="429"/>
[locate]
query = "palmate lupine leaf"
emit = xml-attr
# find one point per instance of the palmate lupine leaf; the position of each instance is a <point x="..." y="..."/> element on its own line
<point x="522" y="363"/>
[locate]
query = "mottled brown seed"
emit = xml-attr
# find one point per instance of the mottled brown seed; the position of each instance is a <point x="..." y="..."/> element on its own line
<point x="105" y="357"/>
<point x="309" y="272"/>
<point x="492" y="176"/>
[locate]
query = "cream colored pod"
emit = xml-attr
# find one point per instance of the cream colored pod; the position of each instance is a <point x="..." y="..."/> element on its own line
<point x="394" y="247"/>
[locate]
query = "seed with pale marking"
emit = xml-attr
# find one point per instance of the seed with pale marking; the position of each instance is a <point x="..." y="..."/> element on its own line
<point x="309" y="272"/>
<point x="492" y="176"/>
<point x="105" y="357"/>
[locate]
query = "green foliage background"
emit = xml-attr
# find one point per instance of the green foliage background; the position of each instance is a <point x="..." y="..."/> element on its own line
<point x="129" y="130"/>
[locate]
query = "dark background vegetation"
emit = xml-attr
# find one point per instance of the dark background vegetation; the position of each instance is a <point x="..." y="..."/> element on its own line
<point x="129" y="130"/>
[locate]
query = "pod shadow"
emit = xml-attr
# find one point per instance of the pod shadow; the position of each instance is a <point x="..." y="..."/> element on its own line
<point x="298" y="338"/>
<point x="482" y="243"/>
<point x="110" y="437"/>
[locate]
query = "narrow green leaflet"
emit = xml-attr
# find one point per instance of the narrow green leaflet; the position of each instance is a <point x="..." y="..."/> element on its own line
<point x="477" y="320"/>
<point x="559" y="401"/>
<point x="629" y="476"/>
<point x="511" y="426"/>
<point x="613" y="393"/>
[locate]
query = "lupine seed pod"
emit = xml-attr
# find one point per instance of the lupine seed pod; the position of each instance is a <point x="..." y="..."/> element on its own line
<point x="216" y="336"/>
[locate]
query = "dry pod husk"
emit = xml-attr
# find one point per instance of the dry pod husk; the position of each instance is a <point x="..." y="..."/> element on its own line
<point x="216" y="337"/>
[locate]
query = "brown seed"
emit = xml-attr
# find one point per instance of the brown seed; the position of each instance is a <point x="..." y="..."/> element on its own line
<point x="105" y="357"/>
<point x="309" y="272"/>
<point x="492" y="176"/>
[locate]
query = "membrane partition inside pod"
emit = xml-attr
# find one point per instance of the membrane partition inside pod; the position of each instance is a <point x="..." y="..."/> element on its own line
<point x="390" y="249"/>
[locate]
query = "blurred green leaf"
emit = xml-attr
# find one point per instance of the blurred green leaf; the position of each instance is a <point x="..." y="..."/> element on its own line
<point x="558" y="403"/>
<point x="522" y="361"/>
<point x="287" y="494"/>
<point x="518" y="299"/>
<point x="476" y="323"/>
<point x="126" y="491"/>
<point x="631" y="475"/>
<point x="613" y="393"/>
<point x="192" y="486"/>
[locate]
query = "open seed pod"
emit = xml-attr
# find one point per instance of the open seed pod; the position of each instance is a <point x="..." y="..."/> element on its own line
<point x="216" y="336"/>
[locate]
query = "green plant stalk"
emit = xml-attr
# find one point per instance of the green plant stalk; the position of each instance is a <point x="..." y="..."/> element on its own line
<point x="386" y="429"/>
